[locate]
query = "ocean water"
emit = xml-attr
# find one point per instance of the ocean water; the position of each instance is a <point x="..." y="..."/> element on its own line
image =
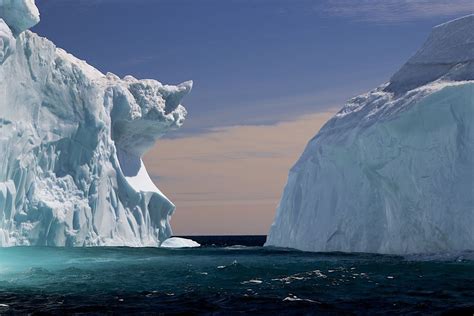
<point x="224" y="279"/>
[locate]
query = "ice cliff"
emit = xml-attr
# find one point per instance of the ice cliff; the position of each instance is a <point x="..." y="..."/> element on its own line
<point x="393" y="171"/>
<point x="71" y="142"/>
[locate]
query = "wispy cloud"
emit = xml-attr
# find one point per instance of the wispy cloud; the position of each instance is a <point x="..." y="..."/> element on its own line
<point x="229" y="181"/>
<point x="395" y="10"/>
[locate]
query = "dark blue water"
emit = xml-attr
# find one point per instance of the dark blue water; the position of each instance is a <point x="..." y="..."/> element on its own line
<point x="227" y="280"/>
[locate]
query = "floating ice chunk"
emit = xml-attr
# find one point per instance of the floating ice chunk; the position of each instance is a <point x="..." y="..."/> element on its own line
<point x="176" y="242"/>
<point x="253" y="281"/>
<point x="294" y="298"/>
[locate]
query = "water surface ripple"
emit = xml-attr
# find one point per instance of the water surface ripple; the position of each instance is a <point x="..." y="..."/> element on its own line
<point x="226" y="280"/>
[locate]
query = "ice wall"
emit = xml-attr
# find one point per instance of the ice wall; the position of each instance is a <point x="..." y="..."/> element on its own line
<point x="71" y="142"/>
<point x="393" y="171"/>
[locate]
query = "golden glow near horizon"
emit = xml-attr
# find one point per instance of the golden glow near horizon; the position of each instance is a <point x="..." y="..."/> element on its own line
<point x="229" y="181"/>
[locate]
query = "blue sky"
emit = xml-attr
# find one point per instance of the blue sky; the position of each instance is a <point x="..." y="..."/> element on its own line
<point x="252" y="61"/>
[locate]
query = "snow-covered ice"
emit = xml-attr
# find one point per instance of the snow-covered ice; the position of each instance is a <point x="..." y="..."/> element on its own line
<point x="20" y="15"/>
<point x="393" y="171"/>
<point x="177" y="242"/>
<point x="71" y="142"/>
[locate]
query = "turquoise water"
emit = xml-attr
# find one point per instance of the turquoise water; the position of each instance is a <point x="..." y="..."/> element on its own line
<point x="222" y="280"/>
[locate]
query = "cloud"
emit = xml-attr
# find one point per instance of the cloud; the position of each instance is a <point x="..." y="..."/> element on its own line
<point x="269" y="110"/>
<point x="396" y="10"/>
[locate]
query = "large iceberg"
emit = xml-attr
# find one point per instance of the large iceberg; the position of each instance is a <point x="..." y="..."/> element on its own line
<point x="393" y="171"/>
<point x="71" y="142"/>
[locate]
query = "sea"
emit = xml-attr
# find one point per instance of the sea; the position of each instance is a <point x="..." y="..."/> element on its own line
<point x="231" y="275"/>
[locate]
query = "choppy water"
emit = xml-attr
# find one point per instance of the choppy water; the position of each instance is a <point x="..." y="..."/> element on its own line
<point x="224" y="280"/>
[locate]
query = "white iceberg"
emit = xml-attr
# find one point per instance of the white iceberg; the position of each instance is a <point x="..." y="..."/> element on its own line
<point x="71" y="142"/>
<point x="393" y="171"/>
<point x="177" y="242"/>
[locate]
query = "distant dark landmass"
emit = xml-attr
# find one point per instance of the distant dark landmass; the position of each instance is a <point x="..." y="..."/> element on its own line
<point x="227" y="241"/>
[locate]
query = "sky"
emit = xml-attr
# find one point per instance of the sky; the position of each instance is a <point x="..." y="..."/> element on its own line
<point x="267" y="75"/>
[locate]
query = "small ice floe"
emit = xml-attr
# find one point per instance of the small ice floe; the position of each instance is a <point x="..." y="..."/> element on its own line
<point x="318" y="274"/>
<point x="177" y="242"/>
<point x="252" y="282"/>
<point x="390" y="277"/>
<point x="234" y="263"/>
<point x="294" y="298"/>
<point x="236" y="247"/>
<point x="289" y="279"/>
<point x="4" y="306"/>
<point x="302" y="276"/>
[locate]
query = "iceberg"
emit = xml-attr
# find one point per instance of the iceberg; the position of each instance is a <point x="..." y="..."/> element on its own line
<point x="393" y="171"/>
<point x="71" y="142"/>
<point x="177" y="242"/>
